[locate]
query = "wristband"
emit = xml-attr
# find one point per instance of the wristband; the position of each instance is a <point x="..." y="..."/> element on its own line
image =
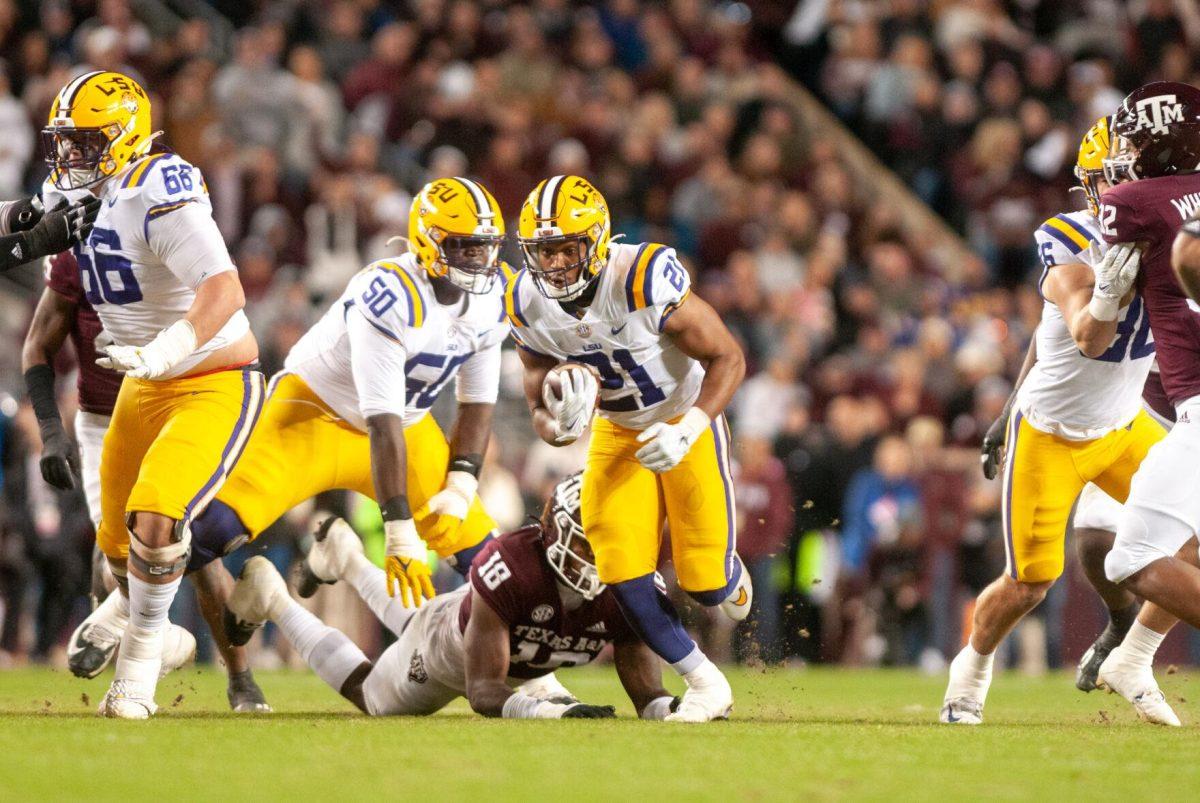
<point x="396" y="508"/>
<point x="522" y="706"/>
<point x="39" y="382"/>
<point x="468" y="463"/>
<point x="695" y="421"/>
<point x="1103" y="308"/>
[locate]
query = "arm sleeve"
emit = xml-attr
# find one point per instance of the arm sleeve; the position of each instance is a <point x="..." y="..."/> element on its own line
<point x="188" y="242"/>
<point x="478" y="379"/>
<point x="377" y="363"/>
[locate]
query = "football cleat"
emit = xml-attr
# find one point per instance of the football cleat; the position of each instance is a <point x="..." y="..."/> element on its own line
<point x="245" y="697"/>
<point x="127" y="699"/>
<point x="95" y="641"/>
<point x="962" y="711"/>
<point x="548" y="688"/>
<point x="327" y="562"/>
<point x="1089" y="664"/>
<point x="258" y="595"/>
<point x="737" y="605"/>
<point x="708" y="696"/>
<point x="179" y="648"/>
<point x="1136" y="684"/>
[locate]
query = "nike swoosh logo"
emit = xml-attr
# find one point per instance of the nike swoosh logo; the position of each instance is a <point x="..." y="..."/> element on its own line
<point x="616" y="330"/>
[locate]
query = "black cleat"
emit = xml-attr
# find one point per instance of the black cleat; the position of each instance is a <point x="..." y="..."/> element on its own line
<point x="237" y="631"/>
<point x="309" y="582"/>
<point x="245" y="697"/>
<point x="1089" y="664"/>
<point x="87" y="657"/>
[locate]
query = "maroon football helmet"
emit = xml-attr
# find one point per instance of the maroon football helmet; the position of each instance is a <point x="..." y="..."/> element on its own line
<point x="1155" y="132"/>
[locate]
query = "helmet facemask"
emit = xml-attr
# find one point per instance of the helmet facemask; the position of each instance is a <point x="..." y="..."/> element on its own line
<point x="1120" y="165"/>
<point x="567" y="548"/>
<point x="469" y="261"/>
<point x="560" y="271"/>
<point x="79" y="157"/>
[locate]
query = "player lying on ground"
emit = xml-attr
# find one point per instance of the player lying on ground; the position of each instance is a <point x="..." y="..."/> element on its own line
<point x="64" y="312"/>
<point x="586" y="307"/>
<point x="1077" y="419"/>
<point x="157" y="271"/>
<point x="533" y="603"/>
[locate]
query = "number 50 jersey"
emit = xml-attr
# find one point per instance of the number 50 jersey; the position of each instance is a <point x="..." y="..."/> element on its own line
<point x="1066" y="393"/>
<point x="153" y="244"/>
<point x="645" y="378"/>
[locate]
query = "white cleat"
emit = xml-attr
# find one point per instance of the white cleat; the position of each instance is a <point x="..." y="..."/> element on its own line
<point x="961" y="711"/>
<point x="1136" y="684"/>
<point x="126" y="699"/>
<point x="737" y="605"/>
<point x="708" y="696"/>
<point x="95" y="641"/>
<point x="179" y="648"/>
<point x="334" y="546"/>
<point x="259" y="595"/>
<point x="548" y="688"/>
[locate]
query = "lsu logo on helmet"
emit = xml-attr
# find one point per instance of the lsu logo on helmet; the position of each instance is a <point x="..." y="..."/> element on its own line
<point x="564" y="232"/>
<point x="455" y="230"/>
<point x="99" y="123"/>
<point x="1089" y="167"/>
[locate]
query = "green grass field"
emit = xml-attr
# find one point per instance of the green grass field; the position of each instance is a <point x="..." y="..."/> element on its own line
<point x="811" y="734"/>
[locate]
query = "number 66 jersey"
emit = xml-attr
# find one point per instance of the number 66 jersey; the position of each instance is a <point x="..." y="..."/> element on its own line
<point x="154" y="242"/>
<point x="644" y="377"/>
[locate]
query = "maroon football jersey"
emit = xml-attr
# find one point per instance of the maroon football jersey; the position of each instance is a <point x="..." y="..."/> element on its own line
<point x="512" y="575"/>
<point x="97" y="386"/>
<point x="1151" y="211"/>
<point x="1156" y="398"/>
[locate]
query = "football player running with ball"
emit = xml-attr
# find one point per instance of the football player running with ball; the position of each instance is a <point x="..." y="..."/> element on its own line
<point x="350" y="410"/>
<point x="533" y="603"/>
<point x="622" y="322"/>
<point x="156" y="270"/>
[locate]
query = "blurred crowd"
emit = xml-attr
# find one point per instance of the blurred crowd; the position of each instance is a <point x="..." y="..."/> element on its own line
<point x="873" y="371"/>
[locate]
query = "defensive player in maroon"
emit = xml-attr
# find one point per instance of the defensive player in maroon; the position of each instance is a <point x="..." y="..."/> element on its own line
<point x="63" y="312"/>
<point x="534" y="603"/>
<point x="1153" y="168"/>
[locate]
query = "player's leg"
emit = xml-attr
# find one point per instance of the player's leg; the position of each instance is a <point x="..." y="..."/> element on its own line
<point x="428" y="462"/>
<point x="1094" y="528"/>
<point x="1040" y="486"/>
<point x="213" y="584"/>
<point x="337" y="554"/>
<point x="208" y="420"/>
<point x="698" y="494"/>
<point x="623" y="514"/>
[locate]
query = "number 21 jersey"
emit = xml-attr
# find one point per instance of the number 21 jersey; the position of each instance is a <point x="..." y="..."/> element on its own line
<point x="644" y="376"/>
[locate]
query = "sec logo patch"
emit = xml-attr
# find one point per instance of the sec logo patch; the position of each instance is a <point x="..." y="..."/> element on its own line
<point x="542" y="613"/>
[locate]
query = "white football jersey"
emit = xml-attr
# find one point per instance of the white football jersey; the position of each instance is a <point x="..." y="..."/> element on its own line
<point x="153" y="244"/>
<point x="429" y="342"/>
<point x="645" y="378"/>
<point x="1066" y="393"/>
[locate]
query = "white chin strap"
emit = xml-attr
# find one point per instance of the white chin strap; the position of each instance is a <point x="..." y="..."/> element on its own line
<point x="470" y="281"/>
<point x="568" y="293"/>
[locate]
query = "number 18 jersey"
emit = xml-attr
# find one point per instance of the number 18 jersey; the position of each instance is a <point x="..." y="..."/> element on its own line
<point x="1066" y="393"/>
<point x="644" y="377"/>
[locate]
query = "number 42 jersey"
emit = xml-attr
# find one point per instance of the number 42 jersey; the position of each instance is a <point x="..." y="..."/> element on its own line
<point x="153" y="244"/>
<point x="1066" y="393"/>
<point x="644" y="377"/>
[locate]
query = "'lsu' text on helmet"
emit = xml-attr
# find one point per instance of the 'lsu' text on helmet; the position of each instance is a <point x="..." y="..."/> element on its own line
<point x="567" y="548"/>
<point x="99" y="123"/>
<point x="1089" y="167"/>
<point x="564" y="232"/>
<point x="1155" y="132"/>
<point x="455" y="231"/>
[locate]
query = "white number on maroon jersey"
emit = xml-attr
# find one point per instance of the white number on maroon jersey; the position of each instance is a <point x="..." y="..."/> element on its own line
<point x="494" y="571"/>
<point x="528" y="652"/>
<point x="1108" y="216"/>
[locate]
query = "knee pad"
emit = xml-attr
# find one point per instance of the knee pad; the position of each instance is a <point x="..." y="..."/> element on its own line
<point x="162" y="561"/>
<point x="216" y="533"/>
<point x="1143" y="536"/>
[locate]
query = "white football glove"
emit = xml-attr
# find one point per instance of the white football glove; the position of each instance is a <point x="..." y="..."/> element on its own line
<point x="1115" y="274"/>
<point x="574" y="410"/>
<point x="669" y="443"/>
<point x="169" y="348"/>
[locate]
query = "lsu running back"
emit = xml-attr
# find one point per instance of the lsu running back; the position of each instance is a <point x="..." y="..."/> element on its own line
<point x="157" y="272"/>
<point x="659" y="450"/>
<point x="352" y="402"/>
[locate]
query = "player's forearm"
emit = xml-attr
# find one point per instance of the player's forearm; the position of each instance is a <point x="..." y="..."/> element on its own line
<point x="640" y="673"/>
<point x="389" y="463"/>
<point x="469" y="436"/>
<point x="487" y="697"/>
<point x="218" y="299"/>
<point x="1091" y="335"/>
<point x="722" y="376"/>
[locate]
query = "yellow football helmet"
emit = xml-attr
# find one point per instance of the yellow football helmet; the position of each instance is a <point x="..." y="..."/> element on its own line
<point x="455" y="230"/>
<point x="1089" y="167"/>
<point x="564" y="231"/>
<point x="99" y="124"/>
